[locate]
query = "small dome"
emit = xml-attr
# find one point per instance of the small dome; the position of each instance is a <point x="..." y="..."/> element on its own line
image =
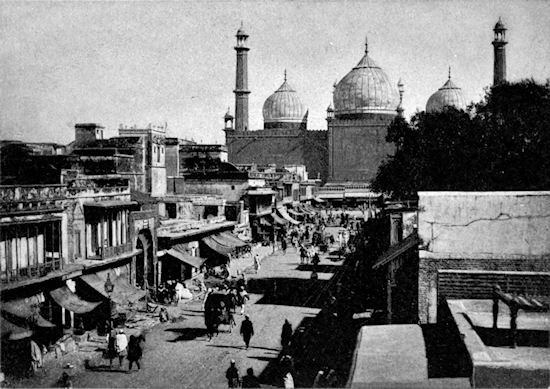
<point x="365" y="89"/>
<point x="449" y="95"/>
<point x="241" y="31"/>
<point x="284" y="106"/>
<point x="499" y="25"/>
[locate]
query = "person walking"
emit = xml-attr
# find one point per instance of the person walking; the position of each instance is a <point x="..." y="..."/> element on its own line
<point x="286" y="334"/>
<point x="247" y="330"/>
<point x="111" y="347"/>
<point x="121" y="346"/>
<point x="283" y="245"/>
<point x="135" y="351"/>
<point x="250" y="380"/>
<point x="243" y="298"/>
<point x="232" y="375"/>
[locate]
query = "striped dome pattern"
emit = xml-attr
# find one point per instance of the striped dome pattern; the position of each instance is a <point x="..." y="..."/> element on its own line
<point x="365" y="89"/>
<point x="284" y="106"/>
<point x="449" y="95"/>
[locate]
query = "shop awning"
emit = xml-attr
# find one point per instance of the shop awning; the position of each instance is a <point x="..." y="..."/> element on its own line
<point x="123" y="293"/>
<point x="71" y="301"/>
<point x="26" y="309"/>
<point x="230" y="237"/>
<point x="296" y="213"/>
<point x="318" y="199"/>
<point x="278" y="220"/>
<point x="12" y="331"/>
<point x="282" y="211"/>
<point x="265" y="222"/>
<point x="304" y="208"/>
<point x="178" y="251"/>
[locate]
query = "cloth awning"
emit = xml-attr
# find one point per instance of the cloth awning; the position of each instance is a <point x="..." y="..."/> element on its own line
<point x="265" y="222"/>
<point x="282" y="211"/>
<point x="278" y="220"/>
<point x="305" y="208"/>
<point x="27" y="310"/>
<point x="222" y="249"/>
<point x="123" y="293"/>
<point x="295" y="213"/>
<point x="71" y="301"/>
<point x="224" y="243"/>
<point x="230" y="237"/>
<point x="12" y="331"/>
<point x="178" y="251"/>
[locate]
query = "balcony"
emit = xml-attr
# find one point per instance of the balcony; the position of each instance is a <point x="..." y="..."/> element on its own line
<point x="108" y="252"/>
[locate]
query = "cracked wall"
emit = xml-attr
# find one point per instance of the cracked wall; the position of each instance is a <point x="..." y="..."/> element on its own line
<point x="479" y="231"/>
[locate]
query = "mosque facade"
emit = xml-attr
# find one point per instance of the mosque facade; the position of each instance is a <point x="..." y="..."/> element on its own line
<point x="350" y="150"/>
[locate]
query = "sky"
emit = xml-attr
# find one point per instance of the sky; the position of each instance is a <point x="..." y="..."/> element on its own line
<point x="136" y="63"/>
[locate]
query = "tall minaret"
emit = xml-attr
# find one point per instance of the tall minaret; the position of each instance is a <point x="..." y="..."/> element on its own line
<point x="499" y="70"/>
<point x="241" y="86"/>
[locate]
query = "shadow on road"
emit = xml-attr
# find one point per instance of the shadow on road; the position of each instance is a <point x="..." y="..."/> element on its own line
<point x="186" y="334"/>
<point x="288" y="291"/>
<point x="320" y="268"/>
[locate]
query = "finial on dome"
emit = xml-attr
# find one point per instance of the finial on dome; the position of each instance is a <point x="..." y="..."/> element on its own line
<point x="285" y="75"/>
<point x="449" y="72"/>
<point x="366" y="44"/>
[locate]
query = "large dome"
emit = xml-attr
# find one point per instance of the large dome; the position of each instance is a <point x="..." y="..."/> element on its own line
<point x="284" y="106"/>
<point x="365" y="89"/>
<point x="449" y="95"/>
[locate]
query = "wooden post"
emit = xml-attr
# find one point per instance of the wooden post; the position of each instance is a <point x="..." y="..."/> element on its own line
<point x="514" y="308"/>
<point x="495" y="306"/>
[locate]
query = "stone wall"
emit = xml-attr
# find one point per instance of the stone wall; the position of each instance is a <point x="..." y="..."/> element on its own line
<point x="280" y="147"/>
<point x="357" y="148"/>
<point x="479" y="231"/>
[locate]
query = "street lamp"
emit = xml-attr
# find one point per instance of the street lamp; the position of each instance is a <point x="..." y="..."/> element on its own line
<point x="109" y="286"/>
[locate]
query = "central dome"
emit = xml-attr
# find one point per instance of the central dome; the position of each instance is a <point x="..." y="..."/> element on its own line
<point x="283" y="106"/>
<point x="365" y="89"/>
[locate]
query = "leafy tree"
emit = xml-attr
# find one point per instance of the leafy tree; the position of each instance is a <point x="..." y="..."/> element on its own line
<point x="501" y="143"/>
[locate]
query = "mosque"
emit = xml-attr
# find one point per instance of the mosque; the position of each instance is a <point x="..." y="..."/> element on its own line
<point x="353" y="146"/>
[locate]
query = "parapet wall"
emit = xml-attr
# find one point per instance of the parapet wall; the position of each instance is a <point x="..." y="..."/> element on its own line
<point x="485" y="232"/>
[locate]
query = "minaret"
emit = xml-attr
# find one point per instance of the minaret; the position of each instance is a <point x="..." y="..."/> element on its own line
<point x="241" y="85"/>
<point x="499" y="70"/>
<point x="401" y="89"/>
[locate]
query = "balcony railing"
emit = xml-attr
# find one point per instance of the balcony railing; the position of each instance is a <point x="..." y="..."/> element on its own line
<point x="108" y="252"/>
<point x="34" y="271"/>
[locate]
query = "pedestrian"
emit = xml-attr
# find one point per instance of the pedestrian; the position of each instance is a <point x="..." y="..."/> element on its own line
<point x="232" y="375"/>
<point x="319" y="381"/>
<point x="243" y="298"/>
<point x="111" y="347"/>
<point x="121" y="346"/>
<point x="135" y="351"/>
<point x="65" y="381"/>
<point x="247" y="330"/>
<point x="286" y="334"/>
<point x="257" y="262"/>
<point x="315" y="260"/>
<point x="250" y="380"/>
<point x="283" y="245"/>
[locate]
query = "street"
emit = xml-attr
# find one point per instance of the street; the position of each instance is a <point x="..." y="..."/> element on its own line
<point x="180" y="355"/>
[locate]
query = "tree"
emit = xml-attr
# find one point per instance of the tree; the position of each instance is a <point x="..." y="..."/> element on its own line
<point x="501" y="143"/>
